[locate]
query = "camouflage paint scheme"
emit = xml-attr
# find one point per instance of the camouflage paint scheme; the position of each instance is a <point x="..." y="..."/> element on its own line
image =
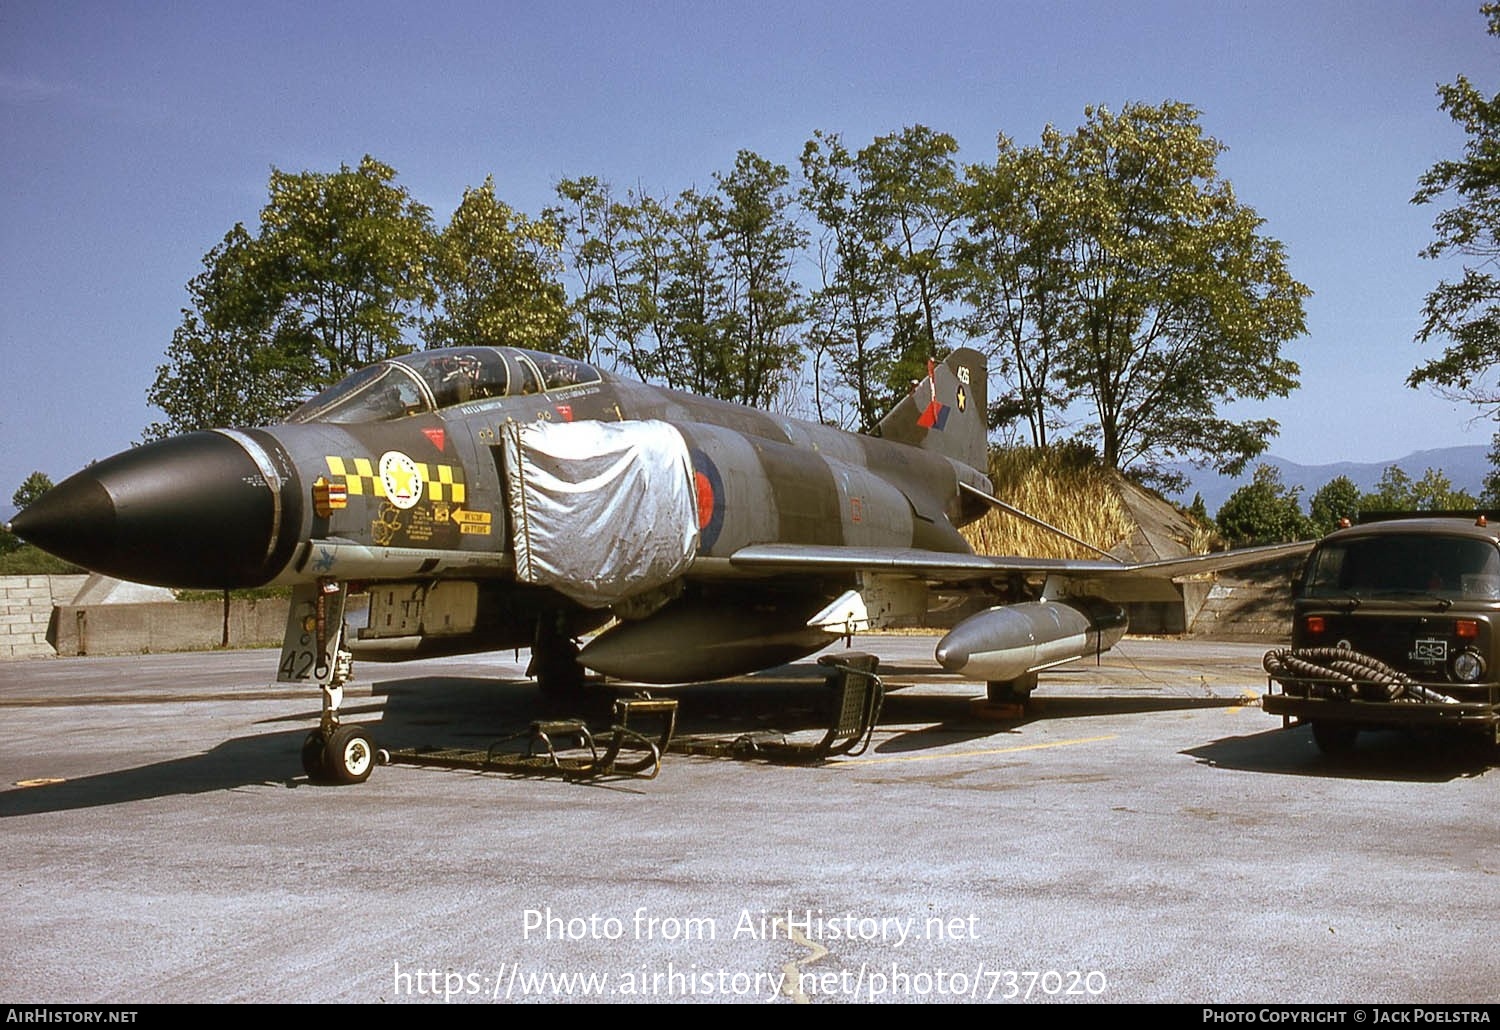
<point x="395" y="480"/>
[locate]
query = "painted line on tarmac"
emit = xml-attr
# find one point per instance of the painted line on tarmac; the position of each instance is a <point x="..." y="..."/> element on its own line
<point x="90" y="700"/>
<point x="859" y="763"/>
<point x="792" y="986"/>
<point x="1251" y="700"/>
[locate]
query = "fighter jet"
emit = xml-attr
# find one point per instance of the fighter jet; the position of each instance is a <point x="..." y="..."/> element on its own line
<point x="492" y="497"/>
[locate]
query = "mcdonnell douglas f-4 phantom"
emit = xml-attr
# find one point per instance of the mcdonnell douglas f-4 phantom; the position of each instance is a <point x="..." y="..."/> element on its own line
<point x="493" y="497"/>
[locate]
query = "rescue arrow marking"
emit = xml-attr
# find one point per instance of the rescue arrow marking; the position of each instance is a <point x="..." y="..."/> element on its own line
<point x="475" y="518"/>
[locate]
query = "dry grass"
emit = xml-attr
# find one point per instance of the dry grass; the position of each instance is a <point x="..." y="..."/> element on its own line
<point x="1061" y="486"/>
<point x="1206" y="538"/>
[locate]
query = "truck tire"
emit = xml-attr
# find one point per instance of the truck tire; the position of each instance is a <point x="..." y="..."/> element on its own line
<point x="1334" y="738"/>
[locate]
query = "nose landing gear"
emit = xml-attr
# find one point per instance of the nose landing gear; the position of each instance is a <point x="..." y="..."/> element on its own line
<point x="334" y="752"/>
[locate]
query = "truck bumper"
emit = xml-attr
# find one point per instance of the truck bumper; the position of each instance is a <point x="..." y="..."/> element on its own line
<point x="1395" y="714"/>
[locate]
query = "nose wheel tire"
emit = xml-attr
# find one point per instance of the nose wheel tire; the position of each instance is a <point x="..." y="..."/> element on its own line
<point x="348" y="755"/>
<point x="312" y="755"/>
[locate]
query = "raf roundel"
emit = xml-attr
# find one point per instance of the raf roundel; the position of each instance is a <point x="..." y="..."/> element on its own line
<point x="709" y="486"/>
<point x="402" y="479"/>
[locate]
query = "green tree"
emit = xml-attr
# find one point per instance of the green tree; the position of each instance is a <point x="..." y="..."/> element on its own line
<point x="1339" y="498"/>
<point x="221" y="367"/>
<point x="1397" y="491"/>
<point x="1392" y="493"/>
<point x="1169" y="299"/>
<point x="1490" y="495"/>
<point x="32" y="487"/>
<point x="591" y="222"/>
<point x="696" y="293"/>
<point x="496" y="276"/>
<point x="344" y="256"/>
<point x="1264" y="511"/>
<point x="332" y="282"/>
<point x="663" y="281"/>
<point x="850" y="311"/>
<point x="624" y="254"/>
<point x="687" y="310"/>
<point x="1015" y="265"/>
<point x="915" y="177"/>
<point x="1198" y="510"/>
<point x="1466" y="311"/>
<point x="759" y="240"/>
<point x="1435" y="492"/>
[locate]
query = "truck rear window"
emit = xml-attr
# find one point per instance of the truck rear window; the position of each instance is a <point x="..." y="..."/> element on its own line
<point x="1456" y="568"/>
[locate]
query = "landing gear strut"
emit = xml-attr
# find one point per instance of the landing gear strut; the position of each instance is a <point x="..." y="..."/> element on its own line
<point x="1010" y="692"/>
<point x="554" y="660"/>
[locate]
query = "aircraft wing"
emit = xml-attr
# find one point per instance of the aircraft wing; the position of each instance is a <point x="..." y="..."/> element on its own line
<point x="943" y="567"/>
<point x="1079" y="610"/>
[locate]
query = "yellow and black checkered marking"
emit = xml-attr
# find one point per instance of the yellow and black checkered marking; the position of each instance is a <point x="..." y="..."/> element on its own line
<point x="439" y="482"/>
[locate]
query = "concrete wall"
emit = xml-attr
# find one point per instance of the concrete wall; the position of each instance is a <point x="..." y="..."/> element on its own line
<point x="171" y="626"/>
<point x="38" y="619"/>
<point x="1250" y="604"/>
<point x="26" y="611"/>
<point x="1254" y="605"/>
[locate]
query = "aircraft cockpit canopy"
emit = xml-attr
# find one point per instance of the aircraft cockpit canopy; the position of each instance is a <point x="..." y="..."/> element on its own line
<point x="429" y="380"/>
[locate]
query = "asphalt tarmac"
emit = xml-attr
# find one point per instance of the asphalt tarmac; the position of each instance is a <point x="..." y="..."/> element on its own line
<point x="1145" y="833"/>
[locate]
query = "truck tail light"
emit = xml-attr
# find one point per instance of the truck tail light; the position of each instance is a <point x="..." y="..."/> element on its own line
<point x="1466" y="629"/>
<point x="1314" y="624"/>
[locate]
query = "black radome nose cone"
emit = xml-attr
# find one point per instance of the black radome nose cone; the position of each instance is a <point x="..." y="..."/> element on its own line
<point x="194" y="511"/>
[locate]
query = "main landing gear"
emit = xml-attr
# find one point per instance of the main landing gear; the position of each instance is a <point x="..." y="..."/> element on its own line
<point x="554" y="661"/>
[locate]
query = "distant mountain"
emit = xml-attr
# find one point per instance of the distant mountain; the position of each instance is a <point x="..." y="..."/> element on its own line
<point x="1464" y="466"/>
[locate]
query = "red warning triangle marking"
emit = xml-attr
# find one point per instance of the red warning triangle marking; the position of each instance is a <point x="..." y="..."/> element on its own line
<point x="436" y="435"/>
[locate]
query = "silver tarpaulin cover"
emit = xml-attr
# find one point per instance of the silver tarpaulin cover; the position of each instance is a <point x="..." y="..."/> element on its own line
<point x="600" y="510"/>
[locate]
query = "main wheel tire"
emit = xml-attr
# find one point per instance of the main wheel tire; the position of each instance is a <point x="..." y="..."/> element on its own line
<point x="312" y="756"/>
<point x="563" y="680"/>
<point x="349" y="755"/>
<point x="554" y="661"/>
<point x="1334" y="738"/>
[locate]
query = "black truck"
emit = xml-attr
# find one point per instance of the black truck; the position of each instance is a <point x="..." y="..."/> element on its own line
<point x="1396" y="624"/>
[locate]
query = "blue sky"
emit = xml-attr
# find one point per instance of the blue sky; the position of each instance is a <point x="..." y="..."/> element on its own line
<point x="134" y="135"/>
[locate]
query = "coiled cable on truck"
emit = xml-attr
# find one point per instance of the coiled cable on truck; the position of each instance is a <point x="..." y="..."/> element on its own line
<point x="1335" y="671"/>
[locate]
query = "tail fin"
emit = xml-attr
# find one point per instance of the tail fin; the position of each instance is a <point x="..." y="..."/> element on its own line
<point x="946" y="411"/>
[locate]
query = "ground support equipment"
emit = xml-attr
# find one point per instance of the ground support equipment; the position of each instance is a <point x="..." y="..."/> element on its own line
<point x="854" y="696"/>
<point x="566" y="748"/>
